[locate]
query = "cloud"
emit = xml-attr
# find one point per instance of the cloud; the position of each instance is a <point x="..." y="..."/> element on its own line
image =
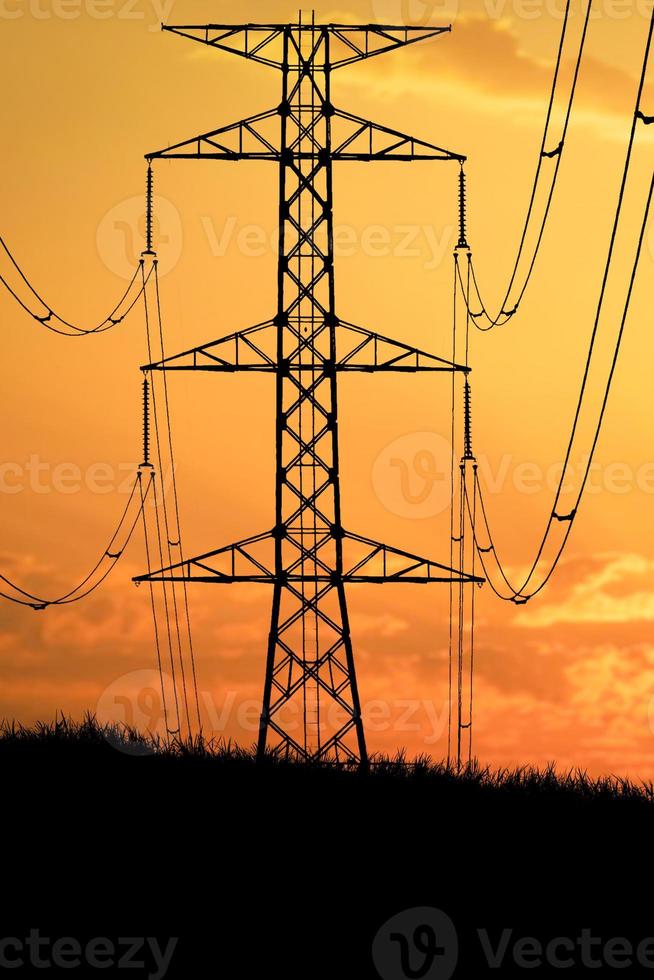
<point x="616" y="590"/>
<point x="483" y="61"/>
<point x="384" y="624"/>
<point x="617" y="675"/>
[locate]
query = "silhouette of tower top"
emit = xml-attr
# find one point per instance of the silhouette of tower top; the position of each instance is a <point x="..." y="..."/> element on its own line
<point x="266" y="43"/>
<point x="311" y="706"/>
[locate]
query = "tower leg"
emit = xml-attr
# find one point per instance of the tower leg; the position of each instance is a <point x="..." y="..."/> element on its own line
<point x="267" y="685"/>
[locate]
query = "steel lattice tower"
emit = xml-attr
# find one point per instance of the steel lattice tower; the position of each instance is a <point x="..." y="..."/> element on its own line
<point x="311" y="707"/>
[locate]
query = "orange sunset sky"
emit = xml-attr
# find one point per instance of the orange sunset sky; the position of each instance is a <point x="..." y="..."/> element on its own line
<point x="90" y="88"/>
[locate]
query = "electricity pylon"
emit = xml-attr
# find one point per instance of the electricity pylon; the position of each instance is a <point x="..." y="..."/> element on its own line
<point x="311" y="706"/>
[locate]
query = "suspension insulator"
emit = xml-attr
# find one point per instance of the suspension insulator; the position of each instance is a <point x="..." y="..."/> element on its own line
<point x="146" y="423"/>
<point x="467" y="423"/>
<point x="463" y="241"/>
<point x="148" y="211"/>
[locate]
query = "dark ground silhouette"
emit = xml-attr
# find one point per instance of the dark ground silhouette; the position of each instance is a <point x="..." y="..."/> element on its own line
<point x="286" y="870"/>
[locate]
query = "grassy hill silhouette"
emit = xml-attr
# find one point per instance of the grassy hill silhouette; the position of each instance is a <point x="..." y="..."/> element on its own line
<point x="286" y="869"/>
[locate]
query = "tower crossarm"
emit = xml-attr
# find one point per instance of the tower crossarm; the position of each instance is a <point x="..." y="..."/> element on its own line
<point x="373" y="39"/>
<point x="254" y="138"/>
<point x="377" y="563"/>
<point x="363" y="350"/>
<point x="258" y="138"/>
<point x="256" y="42"/>
<point x="264" y="43"/>
<point x="253" y="349"/>
<point x="239" y="562"/>
<point x="357" y="349"/>
<point x="360" y="139"/>
<point x="365" y="561"/>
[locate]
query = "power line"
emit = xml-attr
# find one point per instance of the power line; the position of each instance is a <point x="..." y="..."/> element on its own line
<point x="452" y="502"/>
<point x="177" y="614"/>
<point x="50" y="319"/>
<point x="153" y="607"/>
<point x="173" y="471"/>
<point x="163" y="535"/>
<point x="504" y="315"/>
<point x="78" y="593"/>
<point x="520" y="595"/>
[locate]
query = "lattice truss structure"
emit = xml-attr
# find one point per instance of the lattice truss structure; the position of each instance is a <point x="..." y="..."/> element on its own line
<point x="311" y="707"/>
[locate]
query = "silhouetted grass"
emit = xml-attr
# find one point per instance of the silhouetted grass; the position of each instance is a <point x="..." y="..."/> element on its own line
<point x="100" y="823"/>
<point x="112" y="745"/>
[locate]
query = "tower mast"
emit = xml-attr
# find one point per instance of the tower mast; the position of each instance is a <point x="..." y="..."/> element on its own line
<point x="311" y="705"/>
